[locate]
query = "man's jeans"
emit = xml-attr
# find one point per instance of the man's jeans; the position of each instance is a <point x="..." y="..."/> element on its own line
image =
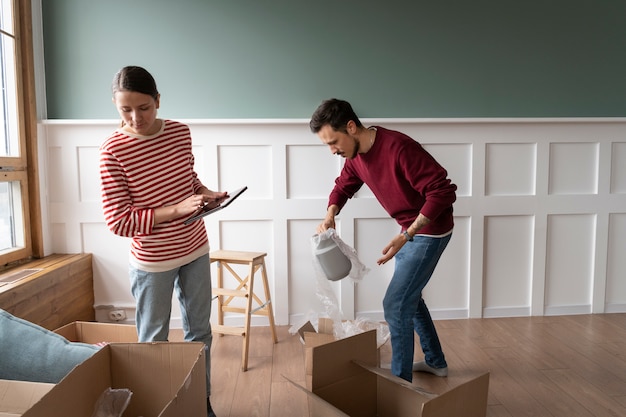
<point x="153" y="294"/>
<point x="405" y="309"/>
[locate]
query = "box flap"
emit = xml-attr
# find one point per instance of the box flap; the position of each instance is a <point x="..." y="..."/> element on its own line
<point x="468" y="399"/>
<point x="334" y="361"/>
<point x="398" y="400"/>
<point x="76" y="394"/>
<point x="325" y="326"/>
<point x="307" y="327"/>
<point x="156" y="373"/>
<point x="338" y="380"/>
<point x="190" y="399"/>
<point x="18" y="396"/>
<point x="386" y="373"/>
<point x="317" y="406"/>
<point x="317" y="339"/>
<point x="92" y="332"/>
<point x="310" y="341"/>
<point x="355" y="394"/>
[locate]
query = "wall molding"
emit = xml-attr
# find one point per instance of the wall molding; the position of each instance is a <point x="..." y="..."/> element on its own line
<point x="540" y="214"/>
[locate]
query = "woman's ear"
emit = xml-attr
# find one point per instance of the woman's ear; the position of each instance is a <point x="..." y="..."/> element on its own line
<point x="158" y="101"/>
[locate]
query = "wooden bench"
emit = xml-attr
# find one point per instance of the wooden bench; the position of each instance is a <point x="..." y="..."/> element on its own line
<point x="55" y="290"/>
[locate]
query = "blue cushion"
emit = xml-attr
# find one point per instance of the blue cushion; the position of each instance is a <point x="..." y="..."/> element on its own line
<point x="29" y="352"/>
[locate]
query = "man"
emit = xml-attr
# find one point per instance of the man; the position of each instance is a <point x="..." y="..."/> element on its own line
<point x="414" y="189"/>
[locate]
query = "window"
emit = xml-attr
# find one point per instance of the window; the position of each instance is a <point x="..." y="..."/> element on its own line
<point x="17" y="136"/>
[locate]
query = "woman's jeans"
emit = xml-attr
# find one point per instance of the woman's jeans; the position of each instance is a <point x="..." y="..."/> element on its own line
<point x="153" y="294"/>
<point x="405" y="309"/>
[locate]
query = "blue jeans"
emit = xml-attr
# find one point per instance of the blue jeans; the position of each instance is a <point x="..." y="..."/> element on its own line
<point x="406" y="311"/>
<point x="153" y="295"/>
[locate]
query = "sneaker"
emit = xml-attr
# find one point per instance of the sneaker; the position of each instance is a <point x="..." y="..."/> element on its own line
<point x="424" y="367"/>
<point x="209" y="409"/>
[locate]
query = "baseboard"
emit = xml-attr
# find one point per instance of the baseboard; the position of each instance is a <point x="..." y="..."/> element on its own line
<point x="493" y="312"/>
<point x="567" y="310"/>
<point x="615" y="308"/>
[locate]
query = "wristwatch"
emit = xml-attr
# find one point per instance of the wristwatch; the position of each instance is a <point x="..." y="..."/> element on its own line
<point x="408" y="237"/>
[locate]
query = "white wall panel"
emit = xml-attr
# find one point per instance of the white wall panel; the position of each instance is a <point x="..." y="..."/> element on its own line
<point x="510" y="169"/>
<point x="508" y="263"/>
<point x="58" y="238"/>
<point x="539" y="214"/>
<point x="573" y="168"/>
<point x="111" y="262"/>
<point x="56" y="188"/>
<point x="616" y="270"/>
<point x="249" y="165"/>
<point x="88" y="174"/>
<point x="570" y="263"/>
<point x="618" y="168"/>
<point x="311" y="170"/>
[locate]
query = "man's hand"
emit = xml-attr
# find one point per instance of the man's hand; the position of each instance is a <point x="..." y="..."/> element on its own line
<point x="397" y="242"/>
<point x="329" y="220"/>
<point x="392" y="248"/>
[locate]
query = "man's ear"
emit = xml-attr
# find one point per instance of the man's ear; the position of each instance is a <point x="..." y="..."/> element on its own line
<point x="351" y="127"/>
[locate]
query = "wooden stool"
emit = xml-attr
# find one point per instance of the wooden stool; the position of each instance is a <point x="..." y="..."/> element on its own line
<point x="255" y="261"/>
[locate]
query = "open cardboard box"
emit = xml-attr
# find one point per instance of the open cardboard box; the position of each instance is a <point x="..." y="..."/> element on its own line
<point x="345" y="381"/>
<point x="325" y="334"/>
<point x="18" y="396"/>
<point x="94" y="332"/>
<point x="167" y="379"/>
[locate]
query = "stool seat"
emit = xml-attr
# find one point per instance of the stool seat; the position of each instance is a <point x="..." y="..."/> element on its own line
<point x="236" y="257"/>
<point x="244" y="290"/>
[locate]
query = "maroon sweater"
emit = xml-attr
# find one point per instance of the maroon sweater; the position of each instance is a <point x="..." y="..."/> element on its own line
<point x="405" y="179"/>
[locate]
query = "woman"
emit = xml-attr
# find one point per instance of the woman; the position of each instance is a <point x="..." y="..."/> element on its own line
<point x="149" y="187"/>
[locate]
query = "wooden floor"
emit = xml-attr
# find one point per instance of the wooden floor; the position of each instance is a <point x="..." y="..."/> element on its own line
<point x="558" y="366"/>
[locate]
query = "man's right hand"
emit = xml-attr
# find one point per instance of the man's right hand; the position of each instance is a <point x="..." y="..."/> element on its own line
<point x="329" y="220"/>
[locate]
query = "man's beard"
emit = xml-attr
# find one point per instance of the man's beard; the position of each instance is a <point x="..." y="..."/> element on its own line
<point x="357" y="146"/>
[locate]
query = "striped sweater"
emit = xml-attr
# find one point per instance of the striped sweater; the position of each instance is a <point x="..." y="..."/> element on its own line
<point x="141" y="173"/>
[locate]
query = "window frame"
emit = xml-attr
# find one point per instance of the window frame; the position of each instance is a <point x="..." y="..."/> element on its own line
<point x="25" y="167"/>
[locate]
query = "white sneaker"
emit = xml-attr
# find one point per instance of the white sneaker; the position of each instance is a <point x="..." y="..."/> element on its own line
<point x="424" y="367"/>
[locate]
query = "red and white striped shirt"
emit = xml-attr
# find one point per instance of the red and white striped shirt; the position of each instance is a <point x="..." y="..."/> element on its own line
<point x="141" y="173"/>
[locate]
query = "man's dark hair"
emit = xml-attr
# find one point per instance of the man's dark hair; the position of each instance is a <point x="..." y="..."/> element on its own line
<point x="334" y="112"/>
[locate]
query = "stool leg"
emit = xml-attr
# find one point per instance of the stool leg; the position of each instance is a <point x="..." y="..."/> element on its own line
<point x="270" y="310"/>
<point x="220" y="298"/>
<point x="246" y="336"/>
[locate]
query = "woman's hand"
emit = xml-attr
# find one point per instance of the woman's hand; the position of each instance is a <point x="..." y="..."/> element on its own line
<point x="190" y="205"/>
<point x="213" y="198"/>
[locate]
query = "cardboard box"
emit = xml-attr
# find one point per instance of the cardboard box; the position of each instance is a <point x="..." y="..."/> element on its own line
<point x="167" y="379"/>
<point x="93" y="332"/>
<point x="325" y="334"/>
<point x="18" y="396"/>
<point x="345" y="381"/>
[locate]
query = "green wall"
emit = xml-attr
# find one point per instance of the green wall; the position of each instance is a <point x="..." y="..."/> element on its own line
<point x="280" y="58"/>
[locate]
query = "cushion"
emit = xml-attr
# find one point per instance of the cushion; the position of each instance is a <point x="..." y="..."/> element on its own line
<point x="30" y="352"/>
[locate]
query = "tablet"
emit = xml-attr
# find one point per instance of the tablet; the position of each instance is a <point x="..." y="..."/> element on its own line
<point x="205" y="211"/>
